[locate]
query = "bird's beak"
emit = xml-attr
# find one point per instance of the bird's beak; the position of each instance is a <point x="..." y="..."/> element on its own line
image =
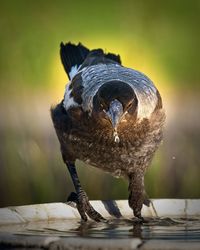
<point x="115" y="113"/>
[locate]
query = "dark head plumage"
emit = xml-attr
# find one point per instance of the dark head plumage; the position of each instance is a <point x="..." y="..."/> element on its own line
<point x="113" y="100"/>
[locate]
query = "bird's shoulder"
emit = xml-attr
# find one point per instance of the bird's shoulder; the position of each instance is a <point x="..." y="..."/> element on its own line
<point x="63" y="119"/>
<point x="84" y="83"/>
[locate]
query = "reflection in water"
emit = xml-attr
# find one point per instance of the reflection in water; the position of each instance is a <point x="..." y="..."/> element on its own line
<point x="137" y="230"/>
<point x="154" y="228"/>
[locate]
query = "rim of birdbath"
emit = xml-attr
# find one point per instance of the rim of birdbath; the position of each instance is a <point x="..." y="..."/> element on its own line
<point x="108" y="209"/>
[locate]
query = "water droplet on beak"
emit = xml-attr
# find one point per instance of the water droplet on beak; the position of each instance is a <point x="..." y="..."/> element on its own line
<point x="116" y="137"/>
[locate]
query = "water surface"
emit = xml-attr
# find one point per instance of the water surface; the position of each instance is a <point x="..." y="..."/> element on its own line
<point x="181" y="229"/>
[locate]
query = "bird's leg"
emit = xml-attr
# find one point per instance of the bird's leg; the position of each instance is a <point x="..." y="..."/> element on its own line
<point x="83" y="205"/>
<point x="136" y="195"/>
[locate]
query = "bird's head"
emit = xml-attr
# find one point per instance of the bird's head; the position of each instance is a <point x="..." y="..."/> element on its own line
<point x="113" y="101"/>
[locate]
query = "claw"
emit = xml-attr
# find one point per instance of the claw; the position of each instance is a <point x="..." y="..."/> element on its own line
<point x="94" y="215"/>
<point x="81" y="202"/>
<point x="81" y="212"/>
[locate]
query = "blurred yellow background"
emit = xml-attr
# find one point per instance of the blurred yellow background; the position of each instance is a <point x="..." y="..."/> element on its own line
<point x="159" y="38"/>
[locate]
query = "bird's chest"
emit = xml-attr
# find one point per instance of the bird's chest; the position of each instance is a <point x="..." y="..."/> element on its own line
<point x="98" y="148"/>
<point x="108" y="156"/>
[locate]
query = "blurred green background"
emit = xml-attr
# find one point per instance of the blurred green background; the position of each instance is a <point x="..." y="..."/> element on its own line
<point x="159" y="38"/>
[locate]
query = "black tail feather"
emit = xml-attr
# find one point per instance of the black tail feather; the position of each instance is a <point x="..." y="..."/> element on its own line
<point x="72" y="55"/>
<point x="110" y="56"/>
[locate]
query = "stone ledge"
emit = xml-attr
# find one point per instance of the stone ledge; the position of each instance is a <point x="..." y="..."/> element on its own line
<point x="119" y="208"/>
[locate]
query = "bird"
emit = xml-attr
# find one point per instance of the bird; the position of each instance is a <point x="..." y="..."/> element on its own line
<point x="111" y="117"/>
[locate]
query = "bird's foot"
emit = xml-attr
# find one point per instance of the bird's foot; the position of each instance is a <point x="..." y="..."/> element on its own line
<point x="136" y="201"/>
<point x="84" y="207"/>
